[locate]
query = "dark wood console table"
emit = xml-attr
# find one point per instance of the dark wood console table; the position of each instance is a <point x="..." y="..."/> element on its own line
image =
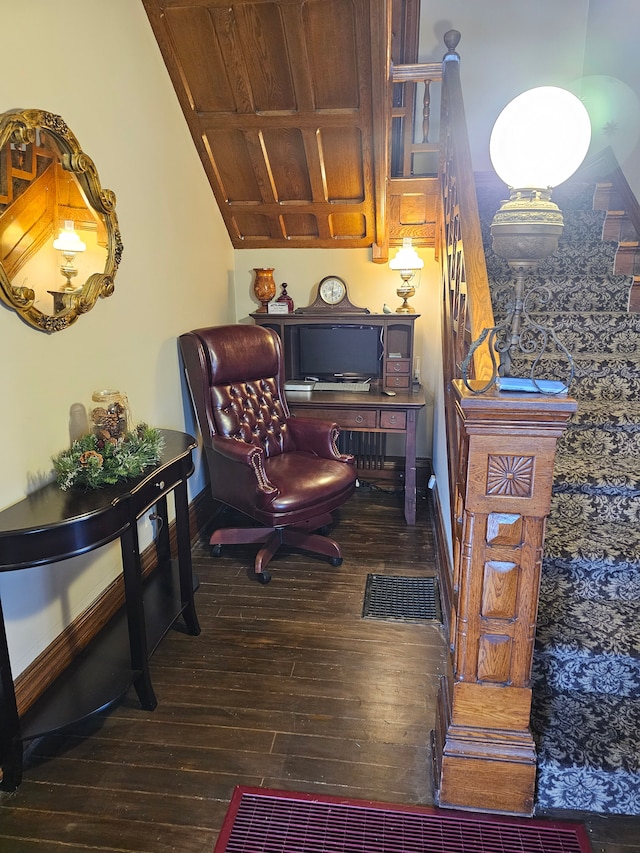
<point x="370" y="412"/>
<point x="51" y="525"/>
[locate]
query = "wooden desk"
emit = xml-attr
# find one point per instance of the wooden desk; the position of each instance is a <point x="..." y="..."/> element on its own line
<point x="370" y="411"/>
<point x="51" y="525"/>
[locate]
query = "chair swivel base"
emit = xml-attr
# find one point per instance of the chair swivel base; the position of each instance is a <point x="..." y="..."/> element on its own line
<point x="299" y="536"/>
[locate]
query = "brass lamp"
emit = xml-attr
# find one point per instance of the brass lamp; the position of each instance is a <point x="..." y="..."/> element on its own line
<point x="406" y="261"/>
<point x="538" y="141"/>
<point x="69" y="244"/>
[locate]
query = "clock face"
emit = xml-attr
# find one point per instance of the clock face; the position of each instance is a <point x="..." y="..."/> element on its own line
<point x="332" y="290"/>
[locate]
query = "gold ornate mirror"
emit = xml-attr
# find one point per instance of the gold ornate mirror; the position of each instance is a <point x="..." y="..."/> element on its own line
<point x="60" y="245"/>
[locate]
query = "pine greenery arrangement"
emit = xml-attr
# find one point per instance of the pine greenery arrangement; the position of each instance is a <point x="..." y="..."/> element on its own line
<point x="93" y="462"/>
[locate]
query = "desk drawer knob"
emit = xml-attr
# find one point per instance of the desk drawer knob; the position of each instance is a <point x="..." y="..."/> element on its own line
<point x="359" y="419"/>
<point x="160" y="485"/>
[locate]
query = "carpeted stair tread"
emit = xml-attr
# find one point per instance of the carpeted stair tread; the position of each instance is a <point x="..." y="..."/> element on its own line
<point x="613" y="332"/>
<point x="590" y="382"/>
<point x="602" y="627"/>
<point x="608" y="414"/>
<point x="579" y="787"/>
<point x="578" y="292"/>
<point x="599" y="578"/>
<point x="606" y="505"/>
<point x="584" y="540"/>
<point x="596" y="376"/>
<point x="564" y="668"/>
<point x="597" y="729"/>
<point x="591" y="441"/>
<point x="608" y="474"/>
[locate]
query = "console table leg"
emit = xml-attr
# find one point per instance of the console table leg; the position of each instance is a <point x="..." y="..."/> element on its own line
<point x="12" y="766"/>
<point x="135" y="617"/>
<point x="10" y="741"/>
<point x="185" y="567"/>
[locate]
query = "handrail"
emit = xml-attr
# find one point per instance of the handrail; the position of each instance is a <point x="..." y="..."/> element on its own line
<point x="466" y="270"/>
<point x="466" y="309"/>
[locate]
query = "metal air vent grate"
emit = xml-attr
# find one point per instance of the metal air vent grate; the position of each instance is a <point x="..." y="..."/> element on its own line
<point x="389" y="597"/>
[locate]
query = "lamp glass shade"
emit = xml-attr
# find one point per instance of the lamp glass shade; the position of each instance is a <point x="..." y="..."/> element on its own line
<point x="68" y="241"/>
<point x="406" y="258"/>
<point x="540" y="138"/>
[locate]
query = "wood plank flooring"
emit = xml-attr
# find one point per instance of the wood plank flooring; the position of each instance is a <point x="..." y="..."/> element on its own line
<point x="286" y="687"/>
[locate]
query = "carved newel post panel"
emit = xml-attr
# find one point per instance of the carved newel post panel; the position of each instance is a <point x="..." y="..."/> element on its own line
<point x="483" y="749"/>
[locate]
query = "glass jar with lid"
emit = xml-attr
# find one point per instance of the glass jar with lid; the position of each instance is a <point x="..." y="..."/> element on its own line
<point x="109" y="414"/>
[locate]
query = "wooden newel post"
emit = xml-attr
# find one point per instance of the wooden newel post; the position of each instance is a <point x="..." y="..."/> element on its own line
<point x="484" y="754"/>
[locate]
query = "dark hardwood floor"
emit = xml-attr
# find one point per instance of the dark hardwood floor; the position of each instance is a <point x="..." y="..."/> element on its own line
<point x="286" y="687"/>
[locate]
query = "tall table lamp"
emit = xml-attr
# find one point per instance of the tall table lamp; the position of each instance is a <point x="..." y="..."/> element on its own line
<point x="407" y="262"/>
<point x="69" y="245"/>
<point x="538" y="141"/>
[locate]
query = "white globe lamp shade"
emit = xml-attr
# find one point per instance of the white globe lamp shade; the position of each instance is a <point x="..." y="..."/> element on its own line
<point x="540" y="138"/>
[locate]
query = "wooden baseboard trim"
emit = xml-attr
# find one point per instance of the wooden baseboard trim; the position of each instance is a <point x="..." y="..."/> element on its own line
<point x="43" y="671"/>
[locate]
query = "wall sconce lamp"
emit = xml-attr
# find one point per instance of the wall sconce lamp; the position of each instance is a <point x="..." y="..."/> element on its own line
<point x="69" y="244"/>
<point x="538" y="141"/>
<point x="406" y="261"/>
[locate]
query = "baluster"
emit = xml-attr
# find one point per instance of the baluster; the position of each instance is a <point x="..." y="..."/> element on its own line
<point x="426" y="110"/>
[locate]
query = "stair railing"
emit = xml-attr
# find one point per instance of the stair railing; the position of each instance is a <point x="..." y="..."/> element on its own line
<point x="501" y="450"/>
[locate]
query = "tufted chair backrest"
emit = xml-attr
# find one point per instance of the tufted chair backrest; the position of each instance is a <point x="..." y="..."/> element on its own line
<point x="235" y="376"/>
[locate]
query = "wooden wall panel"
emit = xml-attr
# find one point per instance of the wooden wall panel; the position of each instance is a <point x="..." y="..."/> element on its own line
<point x="204" y="72"/>
<point x="262" y="43"/>
<point x="279" y="97"/>
<point x="230" y="157"/>
<point x="332" y="48"/>
<point x="285" y="156"/>
<point x="342" y="152"/>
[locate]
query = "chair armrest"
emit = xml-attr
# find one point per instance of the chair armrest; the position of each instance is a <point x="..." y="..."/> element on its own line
<point x="317" y="436"/>
<point x="248" y="455"/>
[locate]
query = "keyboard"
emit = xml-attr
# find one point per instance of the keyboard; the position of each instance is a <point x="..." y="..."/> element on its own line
<point x="341" y="386"/>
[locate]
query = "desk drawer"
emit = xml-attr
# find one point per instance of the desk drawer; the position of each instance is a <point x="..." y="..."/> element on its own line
<point x="393" y="420"/>
<point x="398" y="365"/>
<point x="399" y="381"/>
<point x="346" y="418"/>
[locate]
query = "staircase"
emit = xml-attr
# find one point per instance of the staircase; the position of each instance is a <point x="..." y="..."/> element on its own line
<point x="586" y="673"/>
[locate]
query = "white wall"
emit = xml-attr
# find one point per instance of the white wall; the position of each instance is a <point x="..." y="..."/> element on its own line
<point x="612" y="57"/>
<point x="97" y="64"/>
<point x="507" y="47"/>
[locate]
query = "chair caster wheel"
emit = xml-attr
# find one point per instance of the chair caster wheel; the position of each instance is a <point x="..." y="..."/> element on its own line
<point x="336" y="561"/>
<point x="263" y="577"/>
<point x="216" y="550"/>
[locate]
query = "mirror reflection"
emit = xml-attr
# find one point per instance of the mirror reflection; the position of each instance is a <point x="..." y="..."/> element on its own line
<point x="60" y="245"/>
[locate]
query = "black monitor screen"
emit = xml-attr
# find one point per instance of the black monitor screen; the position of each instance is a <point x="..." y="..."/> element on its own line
<point x="328" y="351"/>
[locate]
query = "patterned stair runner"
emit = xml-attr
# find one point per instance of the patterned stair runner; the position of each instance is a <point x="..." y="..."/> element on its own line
<point x="586" y="678"/>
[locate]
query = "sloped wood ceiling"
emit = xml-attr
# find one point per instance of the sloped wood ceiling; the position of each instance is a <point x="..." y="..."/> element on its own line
<point x="287" y="105"/>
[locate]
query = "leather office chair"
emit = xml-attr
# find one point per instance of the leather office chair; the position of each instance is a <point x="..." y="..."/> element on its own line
<point x="284" y="472"/>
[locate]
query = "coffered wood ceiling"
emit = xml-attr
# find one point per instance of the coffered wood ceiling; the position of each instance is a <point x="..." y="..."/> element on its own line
<point x="287" y="103"/>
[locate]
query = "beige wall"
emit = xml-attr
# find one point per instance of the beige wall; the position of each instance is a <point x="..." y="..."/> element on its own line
<point x="97" y="64"/>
